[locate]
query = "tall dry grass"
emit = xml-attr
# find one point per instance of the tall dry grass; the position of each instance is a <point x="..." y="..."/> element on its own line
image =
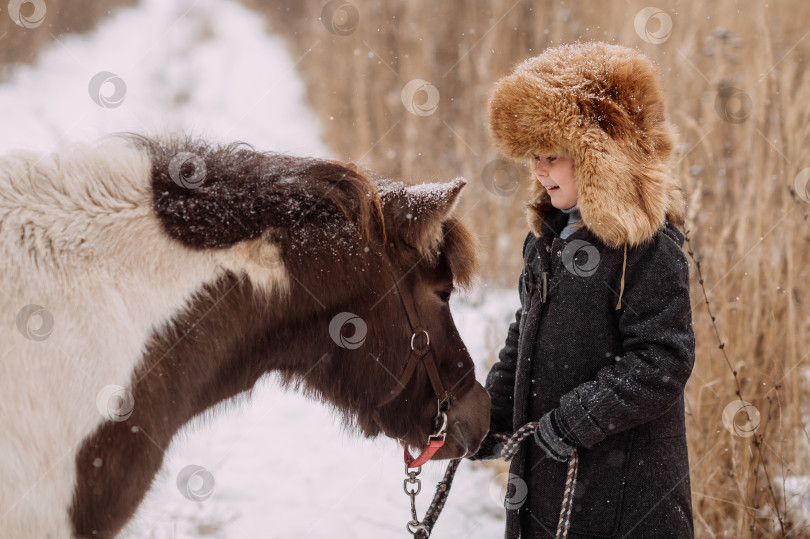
<point x="42" y="22"/>
<point x="739" y="92"/>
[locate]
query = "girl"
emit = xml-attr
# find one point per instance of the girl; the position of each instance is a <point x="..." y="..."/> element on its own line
<point x="602" y="345"/>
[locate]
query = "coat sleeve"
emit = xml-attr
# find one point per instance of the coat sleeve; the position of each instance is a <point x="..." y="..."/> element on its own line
<point x="500" y="383"/>
<point x="658" y="350"/>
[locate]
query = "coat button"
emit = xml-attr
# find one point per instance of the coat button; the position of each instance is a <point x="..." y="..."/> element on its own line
<point x="559" y="254"/>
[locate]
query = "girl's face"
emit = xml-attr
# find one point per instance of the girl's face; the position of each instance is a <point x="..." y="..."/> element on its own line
<point x="556" y="173"/>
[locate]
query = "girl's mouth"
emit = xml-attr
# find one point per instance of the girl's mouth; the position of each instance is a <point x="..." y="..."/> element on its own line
<point x="549" y="189"/>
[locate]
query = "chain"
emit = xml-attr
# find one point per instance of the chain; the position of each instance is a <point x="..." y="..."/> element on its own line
<point x="414" y="526"/>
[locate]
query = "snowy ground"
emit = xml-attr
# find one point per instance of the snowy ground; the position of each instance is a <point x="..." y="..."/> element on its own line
<point x="281" y="465"/>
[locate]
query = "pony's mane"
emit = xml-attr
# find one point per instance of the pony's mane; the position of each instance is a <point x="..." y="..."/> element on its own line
<point x="263" y="189"/>
<point x="308" y="196"/>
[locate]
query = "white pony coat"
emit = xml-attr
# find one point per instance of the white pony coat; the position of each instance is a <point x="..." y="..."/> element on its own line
<point x="79" y="237"/>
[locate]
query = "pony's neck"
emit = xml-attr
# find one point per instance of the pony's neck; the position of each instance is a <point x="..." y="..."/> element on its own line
<point x="219" y="347"/>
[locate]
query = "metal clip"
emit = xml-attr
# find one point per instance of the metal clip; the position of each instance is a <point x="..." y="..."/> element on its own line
<point x="440" y="423"/>
<point x="414" y="526"/>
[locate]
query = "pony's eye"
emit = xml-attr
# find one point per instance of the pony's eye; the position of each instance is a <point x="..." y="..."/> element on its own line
<point x="444" y="295"/>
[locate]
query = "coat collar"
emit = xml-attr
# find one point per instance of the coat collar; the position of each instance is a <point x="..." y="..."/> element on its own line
<point x="554" y="225"/>
<point x="551" y="227"/>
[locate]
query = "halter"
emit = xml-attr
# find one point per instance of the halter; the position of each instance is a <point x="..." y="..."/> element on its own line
<point x="420" y="351"/>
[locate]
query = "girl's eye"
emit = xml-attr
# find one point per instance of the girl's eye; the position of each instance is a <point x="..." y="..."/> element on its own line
<point x="551" y="159"/>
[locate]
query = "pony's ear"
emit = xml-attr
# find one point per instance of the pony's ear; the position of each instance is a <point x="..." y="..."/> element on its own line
<point x="415" y="213"/>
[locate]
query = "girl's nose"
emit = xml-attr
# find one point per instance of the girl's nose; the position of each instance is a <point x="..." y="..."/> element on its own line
<point x="540" y="171"/>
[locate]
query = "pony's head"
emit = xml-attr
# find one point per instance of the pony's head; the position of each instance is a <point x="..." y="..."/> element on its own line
<point x="431" y="253"/>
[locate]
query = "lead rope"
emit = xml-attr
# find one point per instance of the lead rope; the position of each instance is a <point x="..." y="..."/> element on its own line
<point x="510" y="446"/>
<point x="424" y="528"/>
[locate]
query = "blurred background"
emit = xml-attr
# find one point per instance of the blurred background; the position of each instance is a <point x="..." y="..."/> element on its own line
<point x="401" y="87"/>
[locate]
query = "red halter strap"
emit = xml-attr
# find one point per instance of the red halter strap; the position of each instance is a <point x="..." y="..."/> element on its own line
<point x="435" y="442"/>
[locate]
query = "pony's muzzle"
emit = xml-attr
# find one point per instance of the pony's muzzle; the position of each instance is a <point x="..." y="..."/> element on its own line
<point x="468" y="424"/>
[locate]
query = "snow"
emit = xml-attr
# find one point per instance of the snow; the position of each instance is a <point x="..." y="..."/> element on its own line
<point x="797" y="500"/>
<point x="279" y="464"/>
<point x="205" y="67"/>
<point x="420" y="195"/>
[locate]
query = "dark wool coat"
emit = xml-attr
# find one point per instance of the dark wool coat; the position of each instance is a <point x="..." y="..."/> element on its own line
<point x="617" y="375"/>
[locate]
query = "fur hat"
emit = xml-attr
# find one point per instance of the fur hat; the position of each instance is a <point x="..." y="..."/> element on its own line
<point x="604" y="106"/>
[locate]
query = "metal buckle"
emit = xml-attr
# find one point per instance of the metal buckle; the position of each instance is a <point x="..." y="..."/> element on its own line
<point x="441" y="436"/>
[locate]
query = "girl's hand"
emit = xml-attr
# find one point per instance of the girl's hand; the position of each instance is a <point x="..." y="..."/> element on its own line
<point x="489" y="450"/>
<point x="554" y="437"/>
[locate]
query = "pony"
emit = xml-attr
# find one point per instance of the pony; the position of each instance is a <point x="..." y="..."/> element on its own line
<point x="147" y="279"/>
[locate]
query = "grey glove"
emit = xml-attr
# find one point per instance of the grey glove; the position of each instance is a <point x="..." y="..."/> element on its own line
<point x="554" y="436"/>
